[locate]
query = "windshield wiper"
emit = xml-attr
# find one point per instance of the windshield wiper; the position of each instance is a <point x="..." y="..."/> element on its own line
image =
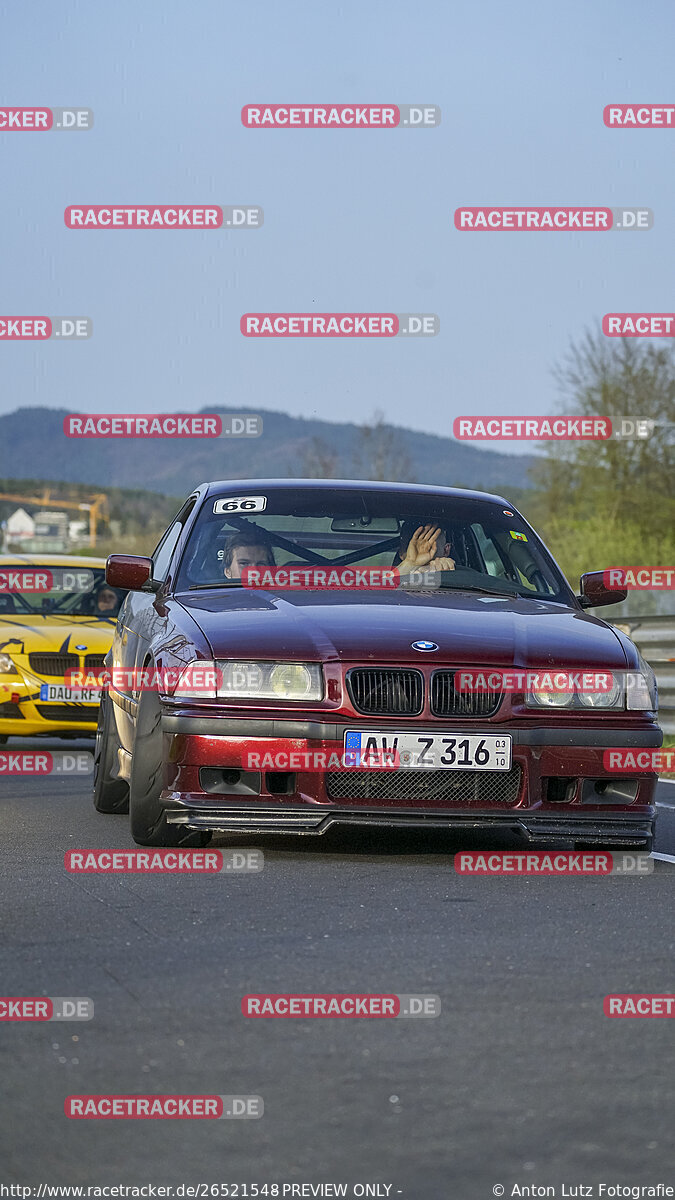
<point x="228" y="583"/>
<point x="485" y="591"/>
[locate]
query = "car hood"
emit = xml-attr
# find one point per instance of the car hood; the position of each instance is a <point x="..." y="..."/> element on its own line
<point x="54" y="634"/>
<point x="468" y="628"/>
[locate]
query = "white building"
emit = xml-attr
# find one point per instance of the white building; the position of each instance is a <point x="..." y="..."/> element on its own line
<point x="19" y="526"/>
<point x="78" y="532"/>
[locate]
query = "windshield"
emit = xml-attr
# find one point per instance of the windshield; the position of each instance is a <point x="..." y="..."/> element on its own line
<point x="76" y="591"/>
<point x="467" y="544"/>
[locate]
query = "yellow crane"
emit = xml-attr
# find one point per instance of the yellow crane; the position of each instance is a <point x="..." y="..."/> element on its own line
<point x="96" y="505"/>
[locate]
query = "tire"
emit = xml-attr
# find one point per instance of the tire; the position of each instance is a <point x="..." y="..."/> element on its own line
<point x="110" y="795"/>
<point x="149" y="826"/>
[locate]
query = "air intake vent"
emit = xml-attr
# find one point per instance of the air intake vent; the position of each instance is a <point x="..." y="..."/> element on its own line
<point x="449" y="788"/>
<point x="75" y="714"/>
<point x="53" y="664"/>
<point x="387" y="692"/>
<point x="446" y="702"/>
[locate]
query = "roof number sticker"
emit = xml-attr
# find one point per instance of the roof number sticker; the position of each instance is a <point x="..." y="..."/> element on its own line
<point x="247" y="504"/>
<point x="520" y="537"/>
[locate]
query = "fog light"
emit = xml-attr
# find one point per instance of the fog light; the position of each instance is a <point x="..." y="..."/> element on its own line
<point x="560" y="790"/>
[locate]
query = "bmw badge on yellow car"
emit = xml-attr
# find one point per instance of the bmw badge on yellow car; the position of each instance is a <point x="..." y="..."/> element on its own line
<point x="57" y="618"/>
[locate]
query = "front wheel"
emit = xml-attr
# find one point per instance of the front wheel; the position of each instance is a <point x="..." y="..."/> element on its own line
<point x="149" y="825"/>
<point x="111" y="795"/>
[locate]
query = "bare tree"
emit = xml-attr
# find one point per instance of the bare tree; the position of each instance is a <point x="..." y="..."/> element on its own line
<point x="630" y="478"/>
<point x="317" y="460"/>
<point x="380" y="452"/>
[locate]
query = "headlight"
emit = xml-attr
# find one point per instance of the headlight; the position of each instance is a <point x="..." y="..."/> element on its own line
<point x="632" y="690"/>
<point x="199" y="679"/>
<point x="551" y="699"/>
<point x="293" y="679"/>
<point x="7" y="666"/>
<point x="270" y="681"/>
<point x="611" y="699"/>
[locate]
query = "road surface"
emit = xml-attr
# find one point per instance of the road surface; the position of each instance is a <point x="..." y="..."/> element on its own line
<point x="522" y="1079"/>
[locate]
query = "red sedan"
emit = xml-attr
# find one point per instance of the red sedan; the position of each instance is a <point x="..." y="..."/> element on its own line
<point x="298" y="653"/>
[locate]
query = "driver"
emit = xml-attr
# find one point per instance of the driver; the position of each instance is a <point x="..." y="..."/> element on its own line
<point x="424" y="548"/>
<point x="246" y="550"/>
<point x="106" y="602"/>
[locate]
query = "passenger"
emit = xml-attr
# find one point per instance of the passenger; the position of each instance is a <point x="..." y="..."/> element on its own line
<point x="245" y="550"/>
<point x="424" y="548"/>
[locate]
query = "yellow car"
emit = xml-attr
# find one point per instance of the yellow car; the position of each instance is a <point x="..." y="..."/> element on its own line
<point x="57" y="615"/>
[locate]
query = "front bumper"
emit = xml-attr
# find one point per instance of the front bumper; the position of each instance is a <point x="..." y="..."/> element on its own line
<point x="24" y="714"/>
<point x="557" y="788"/>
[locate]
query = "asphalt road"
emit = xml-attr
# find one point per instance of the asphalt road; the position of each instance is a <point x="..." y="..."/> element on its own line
<point x="521" y="1079"/>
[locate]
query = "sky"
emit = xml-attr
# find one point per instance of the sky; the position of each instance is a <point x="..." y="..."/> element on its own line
<point x="355" y="220"/>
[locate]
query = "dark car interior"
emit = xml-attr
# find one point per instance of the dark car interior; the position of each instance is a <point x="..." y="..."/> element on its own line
<point x="485" y="555"/>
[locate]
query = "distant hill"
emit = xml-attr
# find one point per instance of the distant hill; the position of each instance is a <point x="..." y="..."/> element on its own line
<point x="33" y="445"/>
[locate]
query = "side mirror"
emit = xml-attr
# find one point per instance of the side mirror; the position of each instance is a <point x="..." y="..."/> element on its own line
<point x="130" y="571"/>
<point x="595" y="593"/>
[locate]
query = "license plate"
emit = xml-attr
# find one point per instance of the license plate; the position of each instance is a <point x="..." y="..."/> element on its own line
<point x="67" y="695"/>
<point x="437" y="751"/>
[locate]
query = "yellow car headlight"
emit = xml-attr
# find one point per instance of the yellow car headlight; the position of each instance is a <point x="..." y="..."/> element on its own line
<point x="7" y="666"/>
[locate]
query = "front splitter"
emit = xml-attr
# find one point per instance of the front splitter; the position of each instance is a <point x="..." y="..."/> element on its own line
<point x="588" y="827"/>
